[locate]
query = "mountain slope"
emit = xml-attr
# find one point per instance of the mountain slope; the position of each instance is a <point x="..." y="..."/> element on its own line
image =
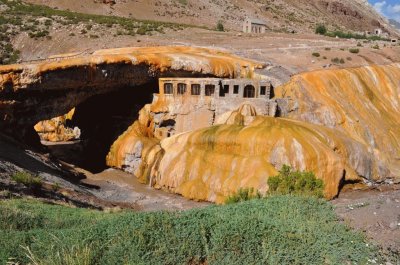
<point x="394" y="23"/>
<point x="281" y="15"/>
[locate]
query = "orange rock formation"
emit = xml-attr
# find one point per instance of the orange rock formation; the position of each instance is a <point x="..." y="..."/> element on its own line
<point x="349" y="132"/>
<point x="51" y="88"/>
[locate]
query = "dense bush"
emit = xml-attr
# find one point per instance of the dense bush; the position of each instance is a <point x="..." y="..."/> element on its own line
<point x="296" y="183"/>
<point x="220" y="26"/>
<point x="277" y="230"/>
<point x="321" y="29"/>
<point x="316" y="54"/>
<point x="354" y="50"/>
<point x="337" y="60"/>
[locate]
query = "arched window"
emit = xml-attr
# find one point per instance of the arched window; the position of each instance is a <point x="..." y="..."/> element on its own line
<point x="181" y="88"/>
<point x="168" y="89"/>
<point x="210" y="90"/>
<point x="249" y="91"/>
<point x="195" y="89"/>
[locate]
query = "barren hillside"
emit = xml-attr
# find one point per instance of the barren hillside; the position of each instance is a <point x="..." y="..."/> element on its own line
<point x="281" y="15"/>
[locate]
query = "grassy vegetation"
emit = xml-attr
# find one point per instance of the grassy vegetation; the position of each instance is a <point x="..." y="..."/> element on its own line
<point x="276" y="230"/>
<point x="316" y="54"/>
<point x="322" y="30"/>
<point x="37" y="20"/>
<point x="27" y="180"/>
<point x="245" y="194"/>
<point x="19" y="8"/>
<point x="287" y="182"/>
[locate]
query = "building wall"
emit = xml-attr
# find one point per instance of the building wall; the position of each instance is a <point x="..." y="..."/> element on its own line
<point x="249" y="27"/>
<point x="191" y="112"/>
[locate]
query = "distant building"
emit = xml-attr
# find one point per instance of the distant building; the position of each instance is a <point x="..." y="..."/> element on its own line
<point x="378" y="32"/>
<point x="254" y="26"/>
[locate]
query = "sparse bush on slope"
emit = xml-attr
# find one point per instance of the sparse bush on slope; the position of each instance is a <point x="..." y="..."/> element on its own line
<point x="277" y="230"/>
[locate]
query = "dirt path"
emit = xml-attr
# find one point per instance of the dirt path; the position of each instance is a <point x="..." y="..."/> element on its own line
<point x="119" y="186"/>
<point x="375" y="212"/>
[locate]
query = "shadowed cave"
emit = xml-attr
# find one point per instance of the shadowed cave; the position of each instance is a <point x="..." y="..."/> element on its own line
<point x="101" y="119"/>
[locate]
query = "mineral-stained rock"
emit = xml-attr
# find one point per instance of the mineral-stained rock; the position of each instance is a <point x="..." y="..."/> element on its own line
<point x="212" y="163"/>
<point x="347" y="129"/>
<point x="56" y="130"/>
<point x="363" y="103"/>
<point x="30" y="93"/>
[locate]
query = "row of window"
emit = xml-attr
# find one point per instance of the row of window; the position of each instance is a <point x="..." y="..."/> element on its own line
<point x="248" y="92"/>
<point x="182" y="88"/>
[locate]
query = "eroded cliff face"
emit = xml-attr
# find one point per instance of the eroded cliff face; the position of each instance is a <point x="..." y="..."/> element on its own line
<point x="344" y="126"/>
<point x="30" y="93"/>
<point x="363" y="103"/>
<point x="56" y="129"/>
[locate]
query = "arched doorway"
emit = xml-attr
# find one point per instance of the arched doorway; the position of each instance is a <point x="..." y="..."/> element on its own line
<point x="249" y="92"/>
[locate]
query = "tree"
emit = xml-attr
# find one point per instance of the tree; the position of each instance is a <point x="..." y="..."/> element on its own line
<point x="321" y="29"/>
<point x="220" y="26"/>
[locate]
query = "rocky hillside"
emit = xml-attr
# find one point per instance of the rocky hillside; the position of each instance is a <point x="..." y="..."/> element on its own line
<point x="394" y="23"/>
<point x="281" y="15"/>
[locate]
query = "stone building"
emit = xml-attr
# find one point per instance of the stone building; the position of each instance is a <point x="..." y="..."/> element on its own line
<point x="194" y="103"/>
<point x="254" y="26"/>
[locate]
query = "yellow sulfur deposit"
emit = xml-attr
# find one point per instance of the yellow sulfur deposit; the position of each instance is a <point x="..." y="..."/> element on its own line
<point x="344" y="125"/>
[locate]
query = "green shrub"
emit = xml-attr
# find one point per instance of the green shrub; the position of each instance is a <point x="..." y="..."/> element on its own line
<point x="321" y="29"/>
<point x="39" y="34"/>
<point x="141" y="31"/>
<point x="342" y="61"/>
<point x="220" y="26"/>
<point x="276" y="230"/>
<point x="48" y="22"/>
<point x="27" y="179"/>
<point x="354" y="50"/>
<point x="242" y="195"/>
<point x="376" y="47"/>
<point x="316" y="54"/>
<point x="327" y="49"/>
<point x="335" y="60"/>
<point x="295" y="183"/>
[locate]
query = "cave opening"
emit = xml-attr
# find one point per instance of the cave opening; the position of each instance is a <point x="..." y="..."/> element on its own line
<point x="101" y="119"/>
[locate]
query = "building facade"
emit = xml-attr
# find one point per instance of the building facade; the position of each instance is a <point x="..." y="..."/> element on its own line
<point x="194" y="103"/>
<point x="254" y="26"/>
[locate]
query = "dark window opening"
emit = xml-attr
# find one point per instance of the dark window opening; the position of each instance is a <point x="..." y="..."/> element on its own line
<point x="168" y="89"/>
<point x="249" y="91"/>
<point x="271" y="92"/>
<point x="263" y="89"/>
<point x="181" y="88"/>
<point x="224" y="90"/>
<point x="235" y="89"/>
<point x="195" y="89"/>
<point x="210" y="90"/>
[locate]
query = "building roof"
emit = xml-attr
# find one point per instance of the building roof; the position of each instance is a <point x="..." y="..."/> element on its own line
<point x="257" y="21"/>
